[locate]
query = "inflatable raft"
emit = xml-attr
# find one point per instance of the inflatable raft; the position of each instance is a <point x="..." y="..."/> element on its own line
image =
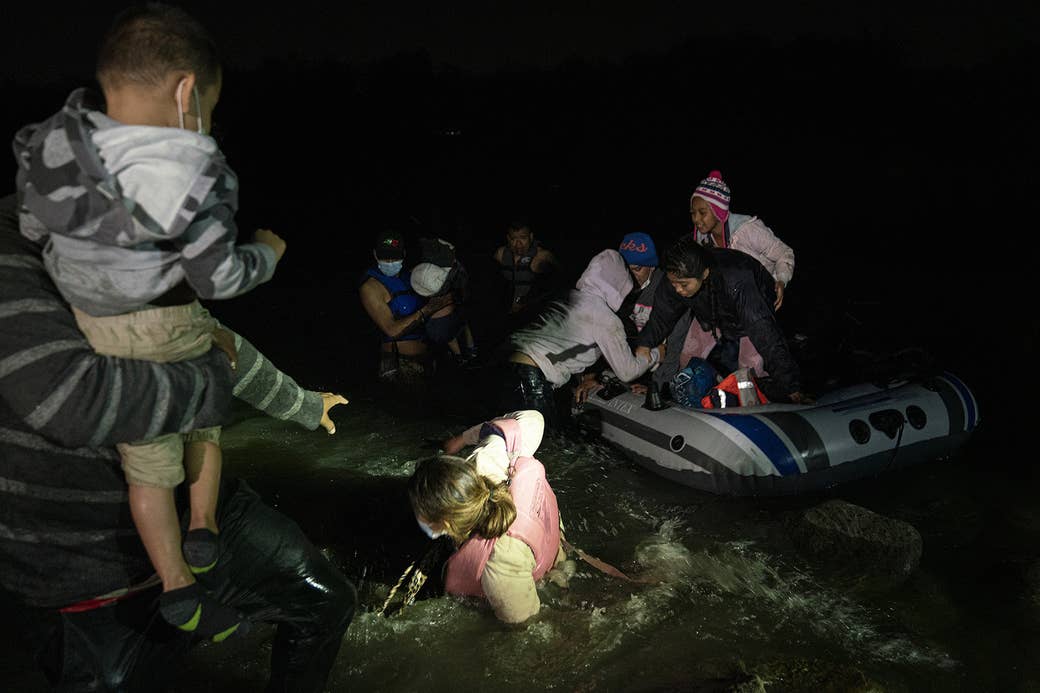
<point x="782" y="449"/>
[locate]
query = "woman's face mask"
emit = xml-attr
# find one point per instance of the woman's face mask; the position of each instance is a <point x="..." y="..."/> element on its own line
<point x="390" y="269"/>
<point x="429" y="530"/>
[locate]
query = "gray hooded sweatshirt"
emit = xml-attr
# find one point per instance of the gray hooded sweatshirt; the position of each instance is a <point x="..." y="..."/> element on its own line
<point x="575" y="334"/>
<point x="126" y="213"/>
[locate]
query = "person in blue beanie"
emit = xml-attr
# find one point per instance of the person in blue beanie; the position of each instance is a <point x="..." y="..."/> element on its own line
<point x="640" y="254"/>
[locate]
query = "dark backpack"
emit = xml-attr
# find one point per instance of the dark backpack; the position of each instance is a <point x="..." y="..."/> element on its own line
<point x="437" y="251"/>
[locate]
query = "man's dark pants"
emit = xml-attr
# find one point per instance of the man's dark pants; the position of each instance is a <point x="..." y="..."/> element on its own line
<point x="268" y="570"/>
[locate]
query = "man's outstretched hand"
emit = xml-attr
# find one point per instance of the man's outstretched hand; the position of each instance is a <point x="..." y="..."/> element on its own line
<point x="328" y="401"/>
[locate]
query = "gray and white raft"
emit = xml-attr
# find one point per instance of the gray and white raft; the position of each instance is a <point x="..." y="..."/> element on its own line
<point x="783" y="449"/>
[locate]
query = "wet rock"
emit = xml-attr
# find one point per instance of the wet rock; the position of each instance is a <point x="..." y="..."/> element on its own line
<point x="851" y="541"/>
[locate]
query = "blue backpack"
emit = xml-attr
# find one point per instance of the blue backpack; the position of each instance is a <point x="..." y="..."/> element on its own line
<point x="692" y="383"/>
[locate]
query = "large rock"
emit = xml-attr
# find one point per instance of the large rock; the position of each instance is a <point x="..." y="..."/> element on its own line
<point x="854" y="542"/>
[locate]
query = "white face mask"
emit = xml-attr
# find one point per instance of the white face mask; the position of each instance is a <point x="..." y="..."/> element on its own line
<point x="429" y="532"/>
<point x="180" y="106"/>
<point x="644" y="284"/>
<point x="390" y="269"/>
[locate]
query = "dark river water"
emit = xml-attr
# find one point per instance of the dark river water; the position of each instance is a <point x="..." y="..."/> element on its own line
<point x="880" y="193"/>
<point x="734" y="607"/>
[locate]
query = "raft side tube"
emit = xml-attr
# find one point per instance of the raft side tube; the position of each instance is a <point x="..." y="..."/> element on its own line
<point x="783" y="449"/>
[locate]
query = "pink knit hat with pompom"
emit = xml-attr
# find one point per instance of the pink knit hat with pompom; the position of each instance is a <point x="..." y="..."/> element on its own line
<point x="715" y="192"/>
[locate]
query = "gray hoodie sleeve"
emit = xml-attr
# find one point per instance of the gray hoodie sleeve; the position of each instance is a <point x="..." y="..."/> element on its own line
<point x="214" y="265"/>
<point x="259" y="383"/>
<point x="616" y="350"/>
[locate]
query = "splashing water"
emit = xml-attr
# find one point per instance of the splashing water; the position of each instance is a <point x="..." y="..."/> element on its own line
<point x="729" y="599"/>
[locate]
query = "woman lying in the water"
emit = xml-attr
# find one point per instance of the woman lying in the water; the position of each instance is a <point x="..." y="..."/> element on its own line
<point x="499" y="509"/>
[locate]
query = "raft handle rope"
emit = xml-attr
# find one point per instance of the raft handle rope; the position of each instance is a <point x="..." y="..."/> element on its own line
<point x="418" y="576"/>
<point x="414" y="585"/>
<point x="892" y="423"/>
<point x="899" y="439"/>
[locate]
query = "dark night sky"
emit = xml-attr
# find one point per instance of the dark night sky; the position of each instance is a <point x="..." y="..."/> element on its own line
<point x="910" y="89"/>
<point x="47" y="42"/>
<point x="901" y="131"/>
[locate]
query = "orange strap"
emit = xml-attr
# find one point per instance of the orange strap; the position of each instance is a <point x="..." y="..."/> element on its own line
<point x="110" y="598"/>
<point x="91" y="604"/>
<point x="603" y="566"/>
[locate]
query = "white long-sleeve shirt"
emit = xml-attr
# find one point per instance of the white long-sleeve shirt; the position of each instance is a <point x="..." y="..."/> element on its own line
<point x="573" y="338"/>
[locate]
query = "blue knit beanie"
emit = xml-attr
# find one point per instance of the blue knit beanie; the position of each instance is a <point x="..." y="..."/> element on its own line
<point x="638" y="249"/>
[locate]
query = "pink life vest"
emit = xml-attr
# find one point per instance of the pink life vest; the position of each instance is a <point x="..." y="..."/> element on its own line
<point x="537" y="523"/>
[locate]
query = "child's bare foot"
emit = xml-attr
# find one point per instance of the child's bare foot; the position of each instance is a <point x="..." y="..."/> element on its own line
<point x="328" y="401"/>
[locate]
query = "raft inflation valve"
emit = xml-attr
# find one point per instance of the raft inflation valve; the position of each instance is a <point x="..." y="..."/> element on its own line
<point x="653" y="398"/>
<point x="677" y="443"/>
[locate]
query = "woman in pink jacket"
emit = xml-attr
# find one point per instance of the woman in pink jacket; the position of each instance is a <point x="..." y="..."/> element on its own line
<point x="715" y="225"/>
<point x="498" y="508"/>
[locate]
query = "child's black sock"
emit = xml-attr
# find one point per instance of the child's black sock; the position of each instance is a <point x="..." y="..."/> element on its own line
<point x="193" y="610"/>
<point x="201" y="548"/>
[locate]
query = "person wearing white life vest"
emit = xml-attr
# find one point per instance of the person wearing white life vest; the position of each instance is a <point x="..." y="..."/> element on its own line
<point x="499" y="509"/>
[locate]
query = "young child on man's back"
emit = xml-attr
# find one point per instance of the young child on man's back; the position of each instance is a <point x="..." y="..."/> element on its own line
<point x="136" y="207"/>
